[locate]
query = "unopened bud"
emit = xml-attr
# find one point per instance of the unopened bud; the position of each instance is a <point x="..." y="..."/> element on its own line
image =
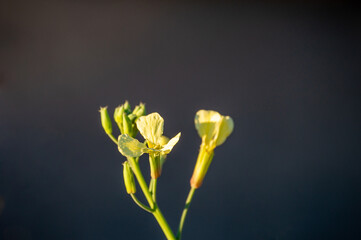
<point x="127" y="125"/>
<point x="127" y="107"/>
<point x="106" y="121"/>
<point x="140" y="110"/>
<point x="118" y="114"/>
<point x="132" y="117"/>
<point x="128" y="178"/>
<point x="135" y="110"/>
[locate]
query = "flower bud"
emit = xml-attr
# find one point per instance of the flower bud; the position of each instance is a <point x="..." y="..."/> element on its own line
<point x="118" y="114"/>
<point x="105" y="119"/>
<point x="127" y="125"/>
<point x="132" y="117"/>
<point x="118" y="117"/>
<point x="140" y="110"/>
<point x="135" y="110"/>
<point x="127" y="107"/>
<point x="128" y="178"/>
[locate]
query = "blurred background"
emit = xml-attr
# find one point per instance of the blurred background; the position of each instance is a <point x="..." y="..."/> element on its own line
<point x="288" y="74"/>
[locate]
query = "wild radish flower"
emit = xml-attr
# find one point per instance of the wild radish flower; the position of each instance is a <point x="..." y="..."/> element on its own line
<point x="151" y="128"/>
<point x="214" y="129"/>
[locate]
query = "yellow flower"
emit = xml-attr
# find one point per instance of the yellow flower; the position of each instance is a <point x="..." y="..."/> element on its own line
<point x="151" y="128"/>
<point x="214" y="129"/>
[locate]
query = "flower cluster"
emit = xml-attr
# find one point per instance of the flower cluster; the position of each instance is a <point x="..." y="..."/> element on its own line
<point x="212" y="127"/>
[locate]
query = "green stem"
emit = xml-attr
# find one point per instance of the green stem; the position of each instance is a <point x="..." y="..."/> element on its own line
<point x="141" y="205"/>
<point x="155" y="210"/>
<point x="120" y="128"/>
<point x="113" y="139"/>
<point x="143" y="185"/>
<point x="151" y="185"/>
<point x="184" y="214"/>
<point x="163" y="224"/>
<point x="154" y="191"/>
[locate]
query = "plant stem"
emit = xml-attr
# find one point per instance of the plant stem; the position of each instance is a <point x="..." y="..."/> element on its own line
<point x="113" y="139"/>
<point x="163" y="224"/>
<point x="143" y="185"/>
<point x="141" y="205"/>
<point x="154" y="191"/>
<point x="184" y="213"/>
<point x="151" y="185"/>
<point x="153" y="205"/>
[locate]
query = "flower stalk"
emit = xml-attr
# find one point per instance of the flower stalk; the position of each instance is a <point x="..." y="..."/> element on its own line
<point x="184" y="213"/>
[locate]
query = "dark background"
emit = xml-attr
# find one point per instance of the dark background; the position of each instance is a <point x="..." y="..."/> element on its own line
<point x="287" y="73"/>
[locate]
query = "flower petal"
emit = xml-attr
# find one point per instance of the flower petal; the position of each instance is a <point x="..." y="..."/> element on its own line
<point x="130" y="147"/>
<point x="151" y="127"/>
<point x="225" y="129"/>
<point x="168" y="147"/>
<point x="207" y="124"/>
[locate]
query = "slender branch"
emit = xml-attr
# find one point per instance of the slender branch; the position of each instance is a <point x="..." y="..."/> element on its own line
<point x="141" y="205"/>
<point x="113" y="139"/>
<point x="156" y="211"/>
<point x="143" y="185"/>
<point x="163" y="224"/>
<point x="120" y="127"/>
<point x="184" y="213"/>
